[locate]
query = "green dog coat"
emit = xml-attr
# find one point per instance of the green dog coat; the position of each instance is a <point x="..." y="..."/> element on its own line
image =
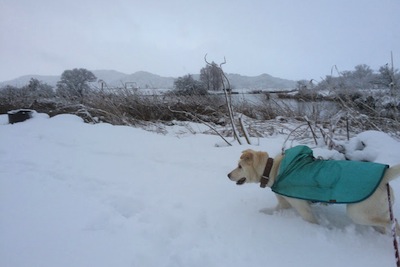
<point x="302" y="176"/>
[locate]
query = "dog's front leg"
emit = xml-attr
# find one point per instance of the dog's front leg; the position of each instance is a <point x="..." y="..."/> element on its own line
<point x="303" y="208"/>
<point x="282" y="205"/>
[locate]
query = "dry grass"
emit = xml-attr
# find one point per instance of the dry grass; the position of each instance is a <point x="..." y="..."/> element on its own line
<point x="130" y="107"/>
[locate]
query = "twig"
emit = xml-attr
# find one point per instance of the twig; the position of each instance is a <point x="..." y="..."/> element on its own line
<point x="287" y="138"/>
<point x="312" y="130"/>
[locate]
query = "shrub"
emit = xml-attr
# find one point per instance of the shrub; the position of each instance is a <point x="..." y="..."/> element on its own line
<point x="186" y="85"/>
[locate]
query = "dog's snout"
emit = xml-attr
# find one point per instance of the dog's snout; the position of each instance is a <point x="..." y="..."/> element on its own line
<point x="229" y="175"/>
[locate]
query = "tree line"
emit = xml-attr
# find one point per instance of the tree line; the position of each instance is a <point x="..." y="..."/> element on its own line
<point x="75" y="83"/>
<point x="362" y="77"/>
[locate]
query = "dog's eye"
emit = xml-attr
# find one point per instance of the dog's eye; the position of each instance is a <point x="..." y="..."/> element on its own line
<point x="239" y="166"/>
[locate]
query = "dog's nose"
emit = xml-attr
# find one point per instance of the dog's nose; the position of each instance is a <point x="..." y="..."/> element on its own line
<point x="229" y="175"/>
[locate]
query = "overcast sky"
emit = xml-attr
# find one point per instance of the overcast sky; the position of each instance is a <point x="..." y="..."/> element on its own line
<point x="292" y="39"/>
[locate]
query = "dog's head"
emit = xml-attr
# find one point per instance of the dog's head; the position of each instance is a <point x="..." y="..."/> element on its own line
<point x="250" y="167"/>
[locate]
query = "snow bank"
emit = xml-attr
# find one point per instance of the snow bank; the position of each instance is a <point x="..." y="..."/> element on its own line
<point x="373" y="146"/>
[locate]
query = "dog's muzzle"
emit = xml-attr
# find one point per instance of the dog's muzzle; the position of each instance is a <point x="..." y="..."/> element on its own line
<point x="240" y="181"/>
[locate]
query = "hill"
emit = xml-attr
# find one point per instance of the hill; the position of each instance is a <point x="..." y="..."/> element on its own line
<point x="24" y="80"/>
<point x="263" y="81"/>
<point x="144" y="79"/>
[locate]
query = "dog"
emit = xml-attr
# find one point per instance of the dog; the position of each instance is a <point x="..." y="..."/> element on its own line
<point x="258" y="167"/>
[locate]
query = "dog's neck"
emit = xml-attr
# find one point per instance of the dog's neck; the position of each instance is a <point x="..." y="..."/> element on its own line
<point x="265" y="177"/>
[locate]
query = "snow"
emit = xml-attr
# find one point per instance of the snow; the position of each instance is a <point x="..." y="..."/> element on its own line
<point x="76" y="194"/>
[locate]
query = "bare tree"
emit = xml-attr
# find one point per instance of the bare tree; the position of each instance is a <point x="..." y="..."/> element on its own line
<point x="210" y="75"/>
<point x="74" y="83"/>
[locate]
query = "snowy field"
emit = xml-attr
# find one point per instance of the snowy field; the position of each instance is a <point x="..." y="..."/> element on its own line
<point x="75" y="194"/>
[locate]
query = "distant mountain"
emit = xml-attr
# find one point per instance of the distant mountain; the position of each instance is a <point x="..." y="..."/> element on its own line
<point x="109" y="75"/>
<point x="263" y="81"/>
<point x="24" y="80"/>
<point x="144" y="79"/>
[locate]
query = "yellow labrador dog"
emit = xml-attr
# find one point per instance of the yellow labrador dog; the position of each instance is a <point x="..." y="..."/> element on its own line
<point x="258" y="167"/>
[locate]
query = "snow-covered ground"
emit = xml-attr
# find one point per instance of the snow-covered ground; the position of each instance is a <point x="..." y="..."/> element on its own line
<point x="75" y="194"/>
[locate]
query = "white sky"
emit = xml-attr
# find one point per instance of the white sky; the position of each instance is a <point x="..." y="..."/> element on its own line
<point x="293" y="39"/>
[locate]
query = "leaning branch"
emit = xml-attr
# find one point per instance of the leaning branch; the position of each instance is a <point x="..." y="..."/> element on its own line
<point x="227" y="98"/>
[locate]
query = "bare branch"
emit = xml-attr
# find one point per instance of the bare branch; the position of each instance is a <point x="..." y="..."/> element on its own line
<point x="227" y="97"/>
<point x="220" y="65"/>
<point x="205" y="59"/>
<point x="312" y="130"/>
<point x="292" y="132"/>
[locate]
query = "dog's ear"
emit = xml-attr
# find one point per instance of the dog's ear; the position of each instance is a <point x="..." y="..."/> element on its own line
<point x="260" y="155"/>
<point x="247" y="155"/>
